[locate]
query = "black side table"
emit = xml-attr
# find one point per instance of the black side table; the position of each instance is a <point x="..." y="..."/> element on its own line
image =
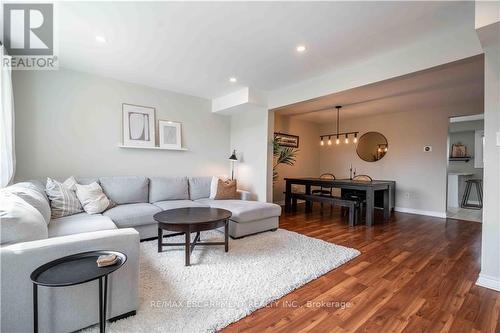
<point x="72" y="270"/>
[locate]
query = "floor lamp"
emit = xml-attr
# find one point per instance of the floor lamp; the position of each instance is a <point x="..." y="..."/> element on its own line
<point x="233" y="159"/>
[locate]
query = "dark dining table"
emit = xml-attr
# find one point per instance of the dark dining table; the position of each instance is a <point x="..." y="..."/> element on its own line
<point x="385" y="188"/>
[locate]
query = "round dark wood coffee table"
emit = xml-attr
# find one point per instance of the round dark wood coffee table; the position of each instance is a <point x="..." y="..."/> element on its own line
<point x="72" y="270"/>
<point x="192" y="219"/>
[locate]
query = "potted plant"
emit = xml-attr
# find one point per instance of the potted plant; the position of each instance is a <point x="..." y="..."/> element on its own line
<point x="282" y="155"/>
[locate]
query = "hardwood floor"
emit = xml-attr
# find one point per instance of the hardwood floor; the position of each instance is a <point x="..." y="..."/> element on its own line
<point x="415" y="274"/>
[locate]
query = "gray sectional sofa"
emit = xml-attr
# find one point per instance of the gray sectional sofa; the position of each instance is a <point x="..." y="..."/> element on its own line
<point x="139" y="198"/>
<point x="29" y="238"/>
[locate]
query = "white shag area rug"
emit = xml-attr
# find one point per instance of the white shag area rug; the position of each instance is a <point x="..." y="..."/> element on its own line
<point x="220" y="288"/>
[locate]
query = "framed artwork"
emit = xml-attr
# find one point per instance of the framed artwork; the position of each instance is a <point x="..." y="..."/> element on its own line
<point x="170" y="134"/>
<point x="287" y="140"/>
<point x="138" y="125"/>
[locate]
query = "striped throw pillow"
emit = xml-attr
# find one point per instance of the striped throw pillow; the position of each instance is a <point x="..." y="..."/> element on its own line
<point x="62" y="196"/>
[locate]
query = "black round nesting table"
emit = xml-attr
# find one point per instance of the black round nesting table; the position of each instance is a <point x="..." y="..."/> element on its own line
<point x="192" y="219"/>
<point x="72" y="270"/>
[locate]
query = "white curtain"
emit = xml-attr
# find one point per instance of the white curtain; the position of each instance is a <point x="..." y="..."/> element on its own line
<point x="7" y="152"/>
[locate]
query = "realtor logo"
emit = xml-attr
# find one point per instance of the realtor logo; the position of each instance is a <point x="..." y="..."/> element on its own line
<point x="29" y="35"/>
<point x="28" y="29"/>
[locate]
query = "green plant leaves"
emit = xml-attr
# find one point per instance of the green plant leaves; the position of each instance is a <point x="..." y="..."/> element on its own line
<point x="283" y="155"/>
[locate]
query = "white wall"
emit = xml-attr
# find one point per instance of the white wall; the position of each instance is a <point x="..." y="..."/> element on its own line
<point x="486" y="13"/>
<point x="420" y="177"/>
<point x="441" y="48"/>
<point x="69" y="123"/>
<point x="490" y="250"/>
<point x="307" y="162"/>
<point x="250" y="138"/>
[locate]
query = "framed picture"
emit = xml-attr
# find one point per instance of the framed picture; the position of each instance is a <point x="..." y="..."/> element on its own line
<point x="170" y="134"/>
<point x="287" y="140"/>
<point x="138" y="125"/>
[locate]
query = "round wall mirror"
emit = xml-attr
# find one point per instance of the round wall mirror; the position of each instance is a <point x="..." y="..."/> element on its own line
<point x="372" y="146"/>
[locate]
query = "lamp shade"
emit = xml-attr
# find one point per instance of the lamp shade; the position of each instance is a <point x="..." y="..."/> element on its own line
<point x="233" y="156"/>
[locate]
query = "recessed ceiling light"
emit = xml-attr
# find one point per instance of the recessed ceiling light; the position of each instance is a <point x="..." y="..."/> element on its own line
<point x="232" y="79"/>
<point x="301" y="48"/>
<point x="100" y="39"/>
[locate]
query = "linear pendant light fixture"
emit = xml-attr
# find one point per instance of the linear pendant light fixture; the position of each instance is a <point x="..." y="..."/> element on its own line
<point x="337" y="135"/>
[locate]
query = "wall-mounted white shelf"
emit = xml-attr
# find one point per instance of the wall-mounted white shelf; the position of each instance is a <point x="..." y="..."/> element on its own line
<point x="154" y="148"/>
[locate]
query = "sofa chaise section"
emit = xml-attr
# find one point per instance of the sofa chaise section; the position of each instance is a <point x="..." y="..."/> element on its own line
<point x="248" y="217"/>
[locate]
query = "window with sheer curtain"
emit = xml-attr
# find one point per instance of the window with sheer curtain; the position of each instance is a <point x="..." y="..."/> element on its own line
<point x="7" y="153"/>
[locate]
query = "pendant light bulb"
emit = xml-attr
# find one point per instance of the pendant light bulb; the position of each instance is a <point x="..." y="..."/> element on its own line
<point x="322" y="143"/>
<point x="346" y="139"/>
<point x="329" y="141"/>
<point x="355" y="140"/>
<point x="337" y="141"/>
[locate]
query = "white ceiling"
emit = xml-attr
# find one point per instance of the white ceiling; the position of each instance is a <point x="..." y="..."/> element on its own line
<point x="195" y="47"/>
<point x="451" y="85"/>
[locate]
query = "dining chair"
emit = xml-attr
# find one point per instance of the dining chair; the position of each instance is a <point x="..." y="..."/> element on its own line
<point x="325" y="191"/>
<point x="364" y="178"/>
<point x="355" y="195"/>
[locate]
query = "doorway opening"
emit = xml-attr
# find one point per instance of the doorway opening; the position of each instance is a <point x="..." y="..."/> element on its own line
<point x="465" y="168"/>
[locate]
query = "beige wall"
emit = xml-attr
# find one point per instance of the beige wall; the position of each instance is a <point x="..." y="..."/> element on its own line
<point x="420" y="177"/>
<point x="307" y="164"/>
<point x="70" y="123"/>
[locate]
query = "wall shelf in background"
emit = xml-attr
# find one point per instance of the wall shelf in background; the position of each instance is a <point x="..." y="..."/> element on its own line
<point x="460" y="159"/>
<point x="154" y="148"/>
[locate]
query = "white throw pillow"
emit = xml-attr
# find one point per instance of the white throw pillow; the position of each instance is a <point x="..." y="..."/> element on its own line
<point x="92" y="198"/>
<point x="32" y="195"/>
<point x="62" y="196"/>
<point x="213" y="187"/>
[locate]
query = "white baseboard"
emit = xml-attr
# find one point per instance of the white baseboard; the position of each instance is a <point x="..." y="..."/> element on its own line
<point x="420" y="212"/>
<point x="398" y="209"/>
<point x="489" y="282"/>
